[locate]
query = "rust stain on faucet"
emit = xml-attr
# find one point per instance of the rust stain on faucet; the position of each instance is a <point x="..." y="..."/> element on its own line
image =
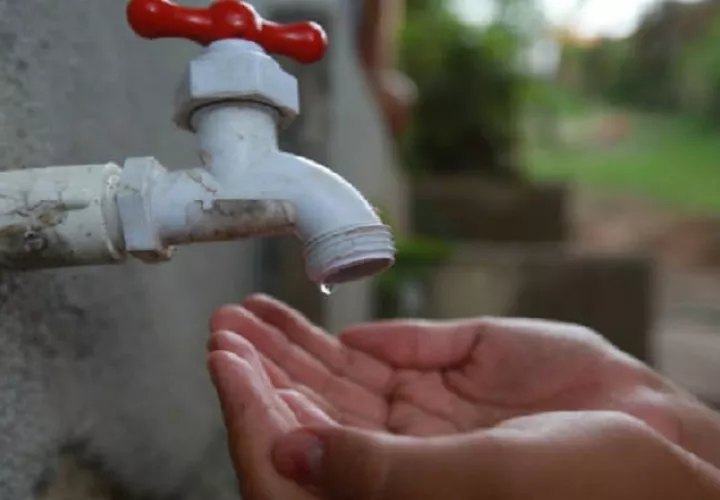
<point x="227" y="220"/>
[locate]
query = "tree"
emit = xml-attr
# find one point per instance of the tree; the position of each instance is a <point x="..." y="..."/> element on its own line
<point x="469" y="93"/>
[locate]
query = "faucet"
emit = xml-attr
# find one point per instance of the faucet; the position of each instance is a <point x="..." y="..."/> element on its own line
<point x="235" y="98"/>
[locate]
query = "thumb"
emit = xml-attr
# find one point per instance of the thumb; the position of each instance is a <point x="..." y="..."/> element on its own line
<point x="351" y="464"/>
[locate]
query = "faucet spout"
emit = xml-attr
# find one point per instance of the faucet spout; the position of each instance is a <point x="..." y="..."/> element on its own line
<point x="344" y="238"/>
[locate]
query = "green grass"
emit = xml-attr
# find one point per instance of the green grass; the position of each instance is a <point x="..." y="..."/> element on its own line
<point x="670" y="160"/>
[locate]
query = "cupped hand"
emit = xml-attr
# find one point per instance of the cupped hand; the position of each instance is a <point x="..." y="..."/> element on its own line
<point x="284" y="446"/>
<point x="421" y="378"/>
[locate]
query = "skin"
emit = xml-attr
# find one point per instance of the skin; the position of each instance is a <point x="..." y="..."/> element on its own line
<point x="415" y="378"/>
<point x="552" y="456"/>
<point x="284" y="446"/>
<point x="428" y="381"/>
<point x="377" y="53"/>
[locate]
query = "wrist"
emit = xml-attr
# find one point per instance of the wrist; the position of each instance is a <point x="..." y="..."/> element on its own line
<point x="675" y="414"/>
<point x="673" y="411"/>
<point x="699" y="431"/>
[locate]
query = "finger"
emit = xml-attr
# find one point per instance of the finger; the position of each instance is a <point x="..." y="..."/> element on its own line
<point x="296" y="363"/>
<point x="321" y="403"/>
<point x="347" y="396"/>
<point x="305" y="411"/>
<point x="420" y="345"/>
<point x="349" y="419"/>
<point x="230" y="342"/>
<point x="325" y="416"/>
<point x="254" y="417"/>
<point x="282" y="383"/>
<point x="340" y="360"/>
<point x="280" y="380"/>
<point x="278" y="377"/>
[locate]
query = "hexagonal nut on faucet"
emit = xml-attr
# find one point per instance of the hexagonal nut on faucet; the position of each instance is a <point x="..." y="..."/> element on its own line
<point x="134" y="198"/>
<point x="236" y="70"/>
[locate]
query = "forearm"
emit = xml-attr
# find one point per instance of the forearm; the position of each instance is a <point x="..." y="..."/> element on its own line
<point x="690" y="477"/>
<point x="689" y="423"/>
<point x="672" y="411"/>
<point x="699" y="430"/>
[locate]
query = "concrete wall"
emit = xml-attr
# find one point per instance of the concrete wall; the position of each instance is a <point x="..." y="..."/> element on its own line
<point x="102" y="370"/>
<point x="105" y="364"/>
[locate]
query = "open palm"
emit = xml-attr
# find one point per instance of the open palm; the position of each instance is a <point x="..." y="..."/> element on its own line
<point x="433" y="378"/>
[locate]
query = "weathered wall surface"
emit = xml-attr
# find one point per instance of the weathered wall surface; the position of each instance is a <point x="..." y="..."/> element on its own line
<point x="103" y="384"/>
<point x="105" y="363"/>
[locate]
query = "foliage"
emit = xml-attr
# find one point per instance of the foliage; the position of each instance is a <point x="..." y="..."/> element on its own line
<point x="465" y="119"/>
<point x="426" y="7"/>
<point x="670" y="64"/>
<point x="667" y="159"/>
<point x="699" y="70"/>
<point x="608" y="69"/>
<point x="661" y="78"/>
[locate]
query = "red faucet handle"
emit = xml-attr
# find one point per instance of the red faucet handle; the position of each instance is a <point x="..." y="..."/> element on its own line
<point x="223" y="20"/>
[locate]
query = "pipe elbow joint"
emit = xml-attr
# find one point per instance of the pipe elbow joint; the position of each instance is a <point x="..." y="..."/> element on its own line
<point x="344" y="239"/>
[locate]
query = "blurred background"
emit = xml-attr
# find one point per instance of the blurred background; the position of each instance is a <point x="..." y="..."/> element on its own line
<point x="544" y="158"/>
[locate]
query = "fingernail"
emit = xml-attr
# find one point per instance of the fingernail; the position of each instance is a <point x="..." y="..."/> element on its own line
<point x="298" y="456"/>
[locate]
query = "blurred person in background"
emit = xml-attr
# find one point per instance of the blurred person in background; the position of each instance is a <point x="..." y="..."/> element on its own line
<point x="378" y="25"/>
<point x="502" y="409"/>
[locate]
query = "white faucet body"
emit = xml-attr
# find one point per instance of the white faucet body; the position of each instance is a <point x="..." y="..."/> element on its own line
<point x="235" y="98"/>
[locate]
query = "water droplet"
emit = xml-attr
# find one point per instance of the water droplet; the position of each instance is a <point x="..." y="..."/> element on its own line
<point x="326" y="289"/>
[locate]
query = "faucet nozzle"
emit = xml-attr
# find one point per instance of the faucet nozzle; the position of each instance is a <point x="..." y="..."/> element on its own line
<point x="349" y="254"/>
